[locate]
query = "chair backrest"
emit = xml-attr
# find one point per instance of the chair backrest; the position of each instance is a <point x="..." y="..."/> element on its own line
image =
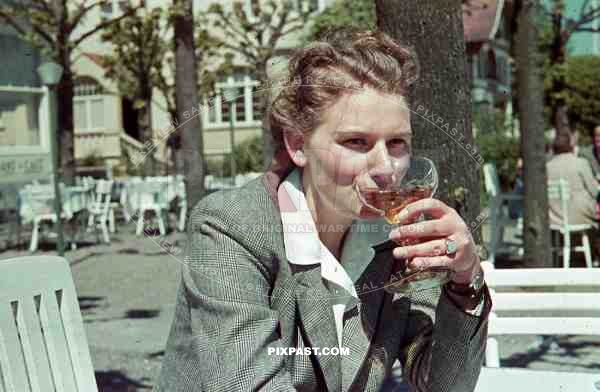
<point x="511" y="379"/>
<point x="490" y="178"/>
<point x="559" y="190"/>
<point x="44" y="347"/>
<point x="544" y="301"/>
<point x="102" y="196"/>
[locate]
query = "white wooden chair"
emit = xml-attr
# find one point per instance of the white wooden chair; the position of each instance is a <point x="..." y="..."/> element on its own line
<point x="498" y="217"/>
<point x="36" y="206"/>
<point x="100" y="211"/>
<point x="43" y="346"/>
<point x="148" y="196"/>
<point x="559" y="190"/>
<point x="526" y="380"/>
<point x="182" y="197"/>
<point x="570" y="305"/>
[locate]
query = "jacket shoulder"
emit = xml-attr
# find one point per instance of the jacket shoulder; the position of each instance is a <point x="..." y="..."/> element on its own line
<point x="247" y="214"/>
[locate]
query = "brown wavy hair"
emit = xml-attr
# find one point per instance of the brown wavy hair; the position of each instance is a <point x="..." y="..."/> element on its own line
<point x="320" y="73"/>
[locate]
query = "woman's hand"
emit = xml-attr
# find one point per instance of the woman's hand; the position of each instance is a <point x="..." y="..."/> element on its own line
<point x="431" y="238"/>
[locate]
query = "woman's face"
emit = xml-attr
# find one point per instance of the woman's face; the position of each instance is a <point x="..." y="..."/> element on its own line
<point x="362" y="131"/>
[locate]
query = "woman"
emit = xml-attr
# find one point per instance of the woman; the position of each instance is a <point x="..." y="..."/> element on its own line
<point x="583" y="186"/>
<point x="292" y="260"/>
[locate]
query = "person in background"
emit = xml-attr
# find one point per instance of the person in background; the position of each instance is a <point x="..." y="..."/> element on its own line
<point x="515" y="206"/>
<point x="582" y="184"/>
<point x="592" y="152"/>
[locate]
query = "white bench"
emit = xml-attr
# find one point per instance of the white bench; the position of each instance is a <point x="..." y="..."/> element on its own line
<point x="525" y="380"/>
<point x="559" y="302"/>
<point x="540" y="302"/>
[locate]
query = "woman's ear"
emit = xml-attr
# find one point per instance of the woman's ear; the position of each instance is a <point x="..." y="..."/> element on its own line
<point x="294" y="144"/>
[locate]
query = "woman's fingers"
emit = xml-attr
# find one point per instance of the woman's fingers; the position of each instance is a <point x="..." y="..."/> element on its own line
<point x="423" y="230"/>
<point x="433" y="207"/>
<point x="424" y="249"/>
<point x="420" y="263"/>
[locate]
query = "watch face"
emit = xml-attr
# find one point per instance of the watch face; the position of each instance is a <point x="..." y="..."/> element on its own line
<point x="482" y="252"/>
<point x="478" y="281"/>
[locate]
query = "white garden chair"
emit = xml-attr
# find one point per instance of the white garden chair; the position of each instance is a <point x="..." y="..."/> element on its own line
<point x="36" y="206"/>
<point x="148" y="196"/>
<point x="43" y="343"/>
<point x="499" y="219"/>
<point x="570" y="305"/>
<point x="182" y="197"/>
<point x="100" y="212"/>
<point x="559" y="190"/>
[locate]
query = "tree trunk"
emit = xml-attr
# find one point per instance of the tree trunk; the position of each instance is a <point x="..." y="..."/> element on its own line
<point x="441" y="99"/>
<point x="560" y="118"/>
<point x="536" y="231"/>
<point x="65" y="131"/>
<point x="186" y="81"/>
<point x="144" y="119"/>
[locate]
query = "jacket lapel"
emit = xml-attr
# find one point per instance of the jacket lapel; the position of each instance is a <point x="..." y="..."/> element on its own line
<point x="361" y="323"/>
<point x="316" y="321"/>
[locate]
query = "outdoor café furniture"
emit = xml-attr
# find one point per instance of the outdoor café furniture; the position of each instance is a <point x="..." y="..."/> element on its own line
<point x="100" y="216"/>
<point x="559" y="190"/>
<point x="512" y="379"/>
<point x="145" y="196"/>
<point x="541" y="301"/>
<point x="36" y="205"/>
<point x="44" y="347"/>
<point x="499" y="218"/>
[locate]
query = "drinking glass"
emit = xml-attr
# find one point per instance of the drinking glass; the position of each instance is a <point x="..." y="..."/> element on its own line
<point x="386" y="192"/>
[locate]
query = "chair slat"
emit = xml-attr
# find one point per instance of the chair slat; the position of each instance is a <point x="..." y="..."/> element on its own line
<point x="546" y="301"/>
<point x="12" y="361"/>
<point x="34" y="346"/>
<point x="44" y="276"/>
<point x="60" y="361"/>
<point x="77" y="340"/>
<point x="511" y="379"/>
<point x="544" y="325"/>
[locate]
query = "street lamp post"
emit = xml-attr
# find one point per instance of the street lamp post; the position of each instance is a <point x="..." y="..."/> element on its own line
<point x="50" y="73"/>
<point x="230" y="94"/>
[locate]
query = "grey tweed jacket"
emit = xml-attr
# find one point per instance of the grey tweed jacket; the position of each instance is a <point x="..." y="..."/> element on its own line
<point x="239" y="297"/>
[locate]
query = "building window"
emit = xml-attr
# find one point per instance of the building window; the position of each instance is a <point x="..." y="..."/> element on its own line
<point x="19" y="117"/>
<point x="88" y="105"/>
<point x="245" y="105"/>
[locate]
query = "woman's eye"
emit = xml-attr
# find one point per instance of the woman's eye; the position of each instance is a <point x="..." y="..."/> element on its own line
<point x="398" y="145"/>
<point x="356" y="142"/>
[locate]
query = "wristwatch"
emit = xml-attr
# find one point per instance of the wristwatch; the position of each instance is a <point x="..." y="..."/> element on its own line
<point x="471" y="289"/>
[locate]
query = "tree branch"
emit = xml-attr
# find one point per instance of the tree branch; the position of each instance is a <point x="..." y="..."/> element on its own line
<point x="12" y="22"/>
<point x="82" y="12"/>
<point x="103" y="25"/>
<point x="589" y="29"/>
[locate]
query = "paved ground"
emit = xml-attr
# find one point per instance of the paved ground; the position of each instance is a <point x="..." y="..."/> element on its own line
<point x="127" y="292"/>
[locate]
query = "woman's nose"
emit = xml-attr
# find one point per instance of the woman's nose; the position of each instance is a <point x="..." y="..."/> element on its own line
<point x="382" y="171"/>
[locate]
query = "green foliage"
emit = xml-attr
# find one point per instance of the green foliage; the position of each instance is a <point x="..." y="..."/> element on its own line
<point x="358" y="14"/>
<point x="92" y="159"/>
<point x="248" y="155"/>
<point x="503" y="150"/>
<point x="139" y="50"/>
<point x="488" y="120"/>
<point x="582" y="96"/>
<point x="248" y="158"/>
<point x="583" y="93"/>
